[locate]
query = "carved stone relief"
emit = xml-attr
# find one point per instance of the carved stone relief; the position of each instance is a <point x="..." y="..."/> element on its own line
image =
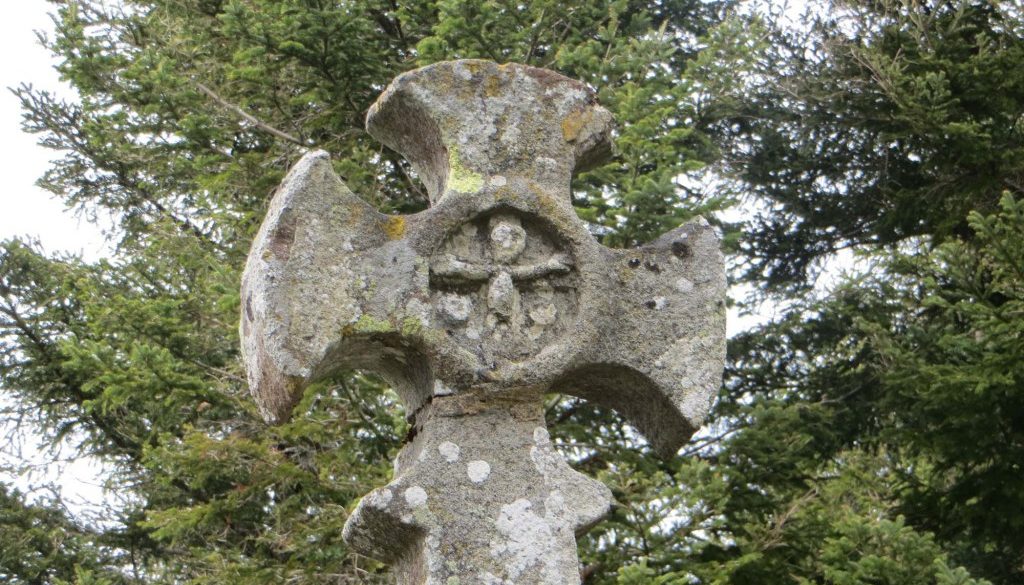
<point x="504" y="286"/>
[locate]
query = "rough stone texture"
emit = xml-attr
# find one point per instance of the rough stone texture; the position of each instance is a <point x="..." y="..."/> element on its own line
<point x="476" y="307"/>
<point x="480" y="496"/>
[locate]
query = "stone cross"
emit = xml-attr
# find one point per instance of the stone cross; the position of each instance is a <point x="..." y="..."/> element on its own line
<point x="473" y="310"/>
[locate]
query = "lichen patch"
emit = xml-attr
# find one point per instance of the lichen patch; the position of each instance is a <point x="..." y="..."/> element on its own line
<point x="529" y="541"/>
<point x="449" y="450"/>
<point x="394" y="227"/>
<point x="574" y="123"/>
<point x="379" y="498"/>
<point x="478" y="471"/>
<point x="416" y="496"/>
<point x="460" y="177"/>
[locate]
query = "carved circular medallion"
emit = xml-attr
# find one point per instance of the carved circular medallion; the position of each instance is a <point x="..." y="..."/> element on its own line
<point x="504" y="286"/>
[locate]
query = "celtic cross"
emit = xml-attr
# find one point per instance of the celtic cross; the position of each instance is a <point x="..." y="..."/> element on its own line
<point x="473" y="310"/>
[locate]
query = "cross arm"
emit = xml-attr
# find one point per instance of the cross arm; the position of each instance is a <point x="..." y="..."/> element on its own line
<point x="311" y="298"/>
<point x="659" y="355"/>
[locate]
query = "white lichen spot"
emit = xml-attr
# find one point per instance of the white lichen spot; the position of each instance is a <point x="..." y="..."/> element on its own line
<point x="529" y="544"/>
<point x="462" y="71"/>
<point x="684" y="285"/>
<point x="554" y="505"/>
<point x="379" y="498"/>
<point x="547" y="162"/>
<point x="449" y="450"/>
<point x="498" y="181"/>
<point x="545" y="459"/>
<point x="435" y="559"/>
<point x="478" y="471"/>
<point x="415" y="496"/>
<point x="541" y="460"/>
<point x="659" y="303"/>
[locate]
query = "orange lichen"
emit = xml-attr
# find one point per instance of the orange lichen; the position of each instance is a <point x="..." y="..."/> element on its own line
<point x="574" y="123"/>
<point x="394" y="227"/>
<point x="492" y="86"/>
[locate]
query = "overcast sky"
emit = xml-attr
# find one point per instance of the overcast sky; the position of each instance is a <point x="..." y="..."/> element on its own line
<point x="26" y="210"/>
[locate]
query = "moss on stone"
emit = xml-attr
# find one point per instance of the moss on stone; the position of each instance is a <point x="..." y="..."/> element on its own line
<point x="369" y="324"/>
<point x="411" y="326"/>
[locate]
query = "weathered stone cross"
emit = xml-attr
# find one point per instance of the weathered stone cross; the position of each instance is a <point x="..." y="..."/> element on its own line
<point x="473" y="309"/>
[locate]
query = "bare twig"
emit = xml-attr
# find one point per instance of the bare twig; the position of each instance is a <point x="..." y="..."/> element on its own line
<point x="247" y="116"/>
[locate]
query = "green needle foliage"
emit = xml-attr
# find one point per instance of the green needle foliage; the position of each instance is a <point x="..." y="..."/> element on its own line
<point x="878" y="122"/>
<point x="868" y="436"/>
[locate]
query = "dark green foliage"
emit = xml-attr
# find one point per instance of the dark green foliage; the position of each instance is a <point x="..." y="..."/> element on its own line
<point x="912" y="400"/>
<point x="893" y="129"/>
<point x="885" y="121"/>
<point x="954" y="371"/>
<point x="42" y="545"/>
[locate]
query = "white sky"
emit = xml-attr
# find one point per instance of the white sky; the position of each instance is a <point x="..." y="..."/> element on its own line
<point x="26" y="210"/>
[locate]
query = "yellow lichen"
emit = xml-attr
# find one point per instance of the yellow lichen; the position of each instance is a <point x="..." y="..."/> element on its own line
<point x="505" y="194"/>
<point x="549" y="207"/>
<point x="460" y="178"/>
<point x="474" y="65"/>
